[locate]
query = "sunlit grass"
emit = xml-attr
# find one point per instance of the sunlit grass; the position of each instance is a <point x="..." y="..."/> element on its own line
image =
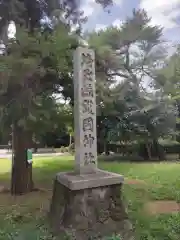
<point x="24" y="217"/>
<point x="5" y="165"/>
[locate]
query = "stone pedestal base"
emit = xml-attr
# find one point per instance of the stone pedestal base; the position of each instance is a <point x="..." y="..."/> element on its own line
<point x="89" y="207"/>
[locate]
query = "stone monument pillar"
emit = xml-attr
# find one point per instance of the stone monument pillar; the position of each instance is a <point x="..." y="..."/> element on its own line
<point x="85" y="111"/>
<point x="86" y="203"/>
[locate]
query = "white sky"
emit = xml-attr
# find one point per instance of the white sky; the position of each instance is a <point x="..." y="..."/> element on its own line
<point x="11" y="32"/>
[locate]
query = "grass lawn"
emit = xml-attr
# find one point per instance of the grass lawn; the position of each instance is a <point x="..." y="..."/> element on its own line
<point x="24" y="217"/>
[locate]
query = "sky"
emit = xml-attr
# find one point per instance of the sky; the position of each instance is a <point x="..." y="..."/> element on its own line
<point x="163" y="12"/>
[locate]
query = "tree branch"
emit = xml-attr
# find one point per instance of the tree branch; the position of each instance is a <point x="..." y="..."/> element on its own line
<point x="117" y="74"/>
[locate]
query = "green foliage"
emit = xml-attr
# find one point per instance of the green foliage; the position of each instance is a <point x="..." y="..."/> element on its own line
<point x="36" y="67"/>
<point x="30" y="14"/>
<point x="126" y="111"/>
<point x="167" y="81"/>
<point x="113" y="238"/>
<point x="67" y="117"/>
<point x="63" y="149"/>
<point x="172" y="149"/>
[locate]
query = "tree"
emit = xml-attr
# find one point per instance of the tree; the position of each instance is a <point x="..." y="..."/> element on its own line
<point x="36" y="67"/>
<point x="44" y="118"/>
<point x="61" y="126"/>
<point x="168" y="82"/>
<point x="65" y="110"/>
<point x="131" y="53"/>
<point x="29" y="14"/>
<point x="33" y="65"/>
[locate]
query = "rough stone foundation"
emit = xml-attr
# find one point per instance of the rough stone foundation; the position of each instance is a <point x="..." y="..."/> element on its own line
<point x="91" y="213"/>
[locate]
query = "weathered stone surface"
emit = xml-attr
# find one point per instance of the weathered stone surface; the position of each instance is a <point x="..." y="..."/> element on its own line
<point x="74" y="181"/>
<point x="94" y="212"/>
<point x="85" y="111"/>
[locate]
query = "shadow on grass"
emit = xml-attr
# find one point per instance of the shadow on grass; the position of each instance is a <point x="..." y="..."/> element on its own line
<point x="26" y="215"/>
<point x="44" y="170"/>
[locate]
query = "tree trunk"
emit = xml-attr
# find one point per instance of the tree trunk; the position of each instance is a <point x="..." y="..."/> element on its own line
<point x="70" y="139"/>
<point x="148" y="148"/>
<point x="159" y="150"/>
<point x="105" y="148"/>
<point x="21" y="181"/>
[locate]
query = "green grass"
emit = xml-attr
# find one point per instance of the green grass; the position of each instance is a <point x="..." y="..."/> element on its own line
<point x="24" y="217"/>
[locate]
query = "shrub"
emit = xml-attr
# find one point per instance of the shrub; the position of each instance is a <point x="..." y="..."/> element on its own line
<point x="170" y="149"/>
<point x="124" y="149"/>
<point x="62" y="149"/>
<point x="120" y="158"/>
<point x="66" y="149"/>
<point x="71" y="148"/>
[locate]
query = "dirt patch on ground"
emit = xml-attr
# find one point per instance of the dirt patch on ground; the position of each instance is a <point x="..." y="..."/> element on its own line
<point x="162" y="207"/>
<point x="139" y="182"/>
<point x="134" y="182"/>
<point x="155" y="207"/>
<point x="32" y="204"/>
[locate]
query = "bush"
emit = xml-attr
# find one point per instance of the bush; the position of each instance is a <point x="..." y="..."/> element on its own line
<point x="62" y="149"/>
<point x="171" y="149"/>
<point x="71" y="148"/>
<point x="66" y="149"/>
<point x="125" y="149"/>
<point x="120" y="158"/>
<point x="140" y="149"/>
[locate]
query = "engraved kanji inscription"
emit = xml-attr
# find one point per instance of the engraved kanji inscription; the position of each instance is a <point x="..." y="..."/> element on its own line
<point x="89" y="158"/>
<point x="87" y="90"/>
<point x="88" y="140"/>
<point x="87" y="75"/>
<point x="87" y="106"/>
<point x="87" y="60"/>
<point x="85" y="111"/>
<point x="88" y="124"/>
